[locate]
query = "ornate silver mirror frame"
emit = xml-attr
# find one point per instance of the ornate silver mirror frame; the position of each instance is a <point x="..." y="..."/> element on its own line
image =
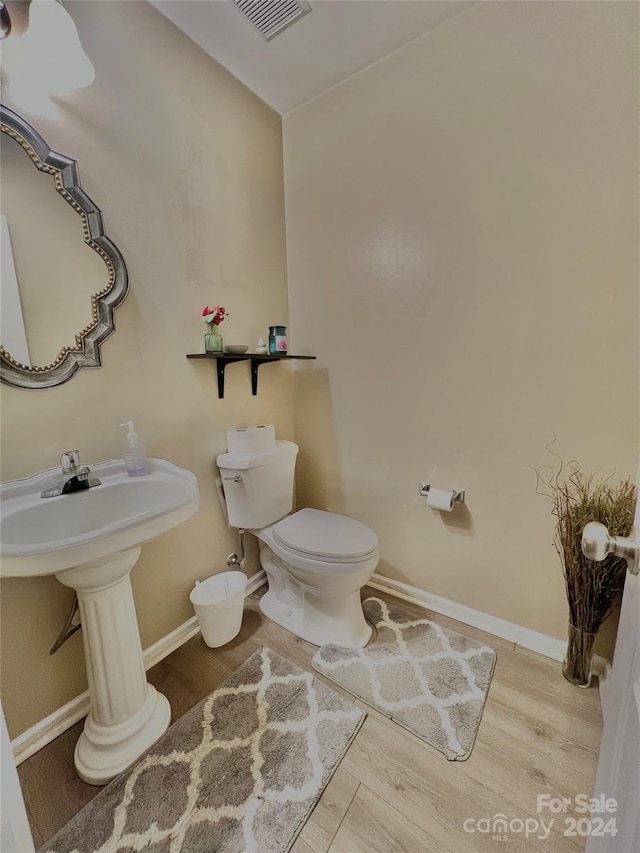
<point x="86" y="352"/>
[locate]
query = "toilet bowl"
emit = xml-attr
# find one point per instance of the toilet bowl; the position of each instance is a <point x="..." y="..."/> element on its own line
<point x="316" y="562"/>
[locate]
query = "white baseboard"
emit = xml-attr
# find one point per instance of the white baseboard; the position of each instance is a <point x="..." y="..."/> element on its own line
<point x="548" y="646"/>
<point x="255" y="582"/>
<point x="59" y="721"/>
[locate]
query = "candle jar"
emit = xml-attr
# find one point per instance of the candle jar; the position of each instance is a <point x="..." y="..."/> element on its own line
<point x="277" y="340"/>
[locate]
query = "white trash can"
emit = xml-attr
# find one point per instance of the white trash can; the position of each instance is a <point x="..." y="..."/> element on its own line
<point x="219" y="603"/>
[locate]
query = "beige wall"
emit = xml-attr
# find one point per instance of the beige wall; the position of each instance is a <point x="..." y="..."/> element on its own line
<point x="461" y="221"/>
<point x="462" y="233"/>
<point x="186" y="165"/>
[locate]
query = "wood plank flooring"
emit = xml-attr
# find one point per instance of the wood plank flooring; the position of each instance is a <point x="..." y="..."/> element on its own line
<point x="392" y="793"/>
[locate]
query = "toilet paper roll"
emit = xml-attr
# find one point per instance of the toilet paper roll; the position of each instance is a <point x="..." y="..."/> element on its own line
<point x="252" y="438"/>
<point x="440" y="499"/>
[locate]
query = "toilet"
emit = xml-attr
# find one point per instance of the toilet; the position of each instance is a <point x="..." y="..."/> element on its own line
<point x="316" y="562"/>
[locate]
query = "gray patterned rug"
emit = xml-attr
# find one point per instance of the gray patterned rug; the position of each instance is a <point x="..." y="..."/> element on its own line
<point x="430" y="680"/>
<point x="241" y="771"/>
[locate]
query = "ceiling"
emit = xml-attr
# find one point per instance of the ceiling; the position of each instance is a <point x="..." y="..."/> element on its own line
<point x="335" y="40"/>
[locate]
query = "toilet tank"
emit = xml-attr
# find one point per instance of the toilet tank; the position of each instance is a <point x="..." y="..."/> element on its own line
<point x="258" y="486"/>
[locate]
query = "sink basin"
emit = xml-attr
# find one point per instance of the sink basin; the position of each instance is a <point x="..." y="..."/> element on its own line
<point x="43" y="536"/>
<point x="90" y="540"/>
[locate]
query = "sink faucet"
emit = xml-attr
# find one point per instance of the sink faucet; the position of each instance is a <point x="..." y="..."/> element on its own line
<point x="74" y="477"/>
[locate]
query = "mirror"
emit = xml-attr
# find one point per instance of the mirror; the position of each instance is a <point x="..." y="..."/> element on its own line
<point x="61" y="276"/>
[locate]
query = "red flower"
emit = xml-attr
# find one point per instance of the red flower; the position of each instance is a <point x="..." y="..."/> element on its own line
<point x="215" y="315"/>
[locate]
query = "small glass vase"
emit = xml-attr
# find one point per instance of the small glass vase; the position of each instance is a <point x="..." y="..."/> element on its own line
<point x="576" y="667"/>
<point x="213" y="339"/>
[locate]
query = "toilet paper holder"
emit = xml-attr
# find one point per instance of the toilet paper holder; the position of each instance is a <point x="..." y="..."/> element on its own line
<point x="458" y="496"/>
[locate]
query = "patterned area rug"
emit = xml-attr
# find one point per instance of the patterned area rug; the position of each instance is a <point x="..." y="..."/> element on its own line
<point x="428" y="679"/>
<point x="241" y="771"/>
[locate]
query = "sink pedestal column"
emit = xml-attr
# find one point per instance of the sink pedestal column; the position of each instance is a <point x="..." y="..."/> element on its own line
<point x="127" y="713"/>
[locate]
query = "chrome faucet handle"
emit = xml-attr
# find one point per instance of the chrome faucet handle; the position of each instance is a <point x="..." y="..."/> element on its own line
<point x="69" y="461"/>
<point x="72" y="467"/>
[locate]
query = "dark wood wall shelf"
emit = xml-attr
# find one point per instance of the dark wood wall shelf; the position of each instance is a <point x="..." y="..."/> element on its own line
<point x="222" y="359"/>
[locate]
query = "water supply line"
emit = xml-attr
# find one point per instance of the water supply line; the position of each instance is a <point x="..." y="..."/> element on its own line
<point x="232" y="559"/>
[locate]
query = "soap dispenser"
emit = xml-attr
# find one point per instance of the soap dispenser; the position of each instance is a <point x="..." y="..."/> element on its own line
<point x="135" y="458"/>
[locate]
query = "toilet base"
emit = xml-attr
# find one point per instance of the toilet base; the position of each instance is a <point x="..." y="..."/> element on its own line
<point x="321" y="620"/>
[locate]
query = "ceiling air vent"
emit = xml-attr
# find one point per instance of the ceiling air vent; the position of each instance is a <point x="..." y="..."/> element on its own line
<point x="270" y="17"/>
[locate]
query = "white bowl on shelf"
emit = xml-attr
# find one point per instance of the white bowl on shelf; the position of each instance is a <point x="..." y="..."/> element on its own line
<point x="236" y="349"/>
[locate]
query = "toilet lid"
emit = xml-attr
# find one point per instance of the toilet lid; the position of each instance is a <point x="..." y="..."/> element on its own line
<point x="325" y="534"/>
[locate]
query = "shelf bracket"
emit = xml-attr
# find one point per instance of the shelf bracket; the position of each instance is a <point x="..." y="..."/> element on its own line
<point x="255" y="364"/>
<point x="221" y="364"/>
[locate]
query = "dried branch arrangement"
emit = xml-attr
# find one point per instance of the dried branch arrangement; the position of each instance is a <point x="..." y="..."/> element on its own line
<point x="576" y="499"/>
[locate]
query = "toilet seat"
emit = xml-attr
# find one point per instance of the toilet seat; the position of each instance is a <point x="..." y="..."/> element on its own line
<point x="324" y="537"/>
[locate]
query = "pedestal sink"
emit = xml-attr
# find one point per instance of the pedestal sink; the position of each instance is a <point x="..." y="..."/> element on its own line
<point x="90" y="540"/>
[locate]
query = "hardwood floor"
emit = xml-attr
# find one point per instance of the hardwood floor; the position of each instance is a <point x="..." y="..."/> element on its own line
<point x="393" y="792"/>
